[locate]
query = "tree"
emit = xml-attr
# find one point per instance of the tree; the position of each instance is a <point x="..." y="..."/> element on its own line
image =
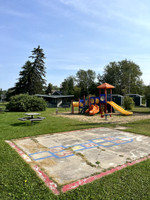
<point x="39" y="70"/>
<point x="67" y="86"/>
<point x="1" y="93"/>
<point x="124" y="75"/>
<point x="85" y="80"/>
<point x="24" y="84"/>
<point x="31" y="79"/>
<point x="9" y="93"/>
<point x="49" y="89"/>
<point x="55" y="87"/>
<point x="147" y="92"/>
<point x="77" y="92"/>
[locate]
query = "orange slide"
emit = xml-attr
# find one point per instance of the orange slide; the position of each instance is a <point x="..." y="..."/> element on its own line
<point x="93" y="110"/>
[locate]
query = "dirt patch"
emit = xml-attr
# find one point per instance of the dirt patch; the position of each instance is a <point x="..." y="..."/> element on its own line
<point x="47" y="162"/>
<point x="115" y="117"/>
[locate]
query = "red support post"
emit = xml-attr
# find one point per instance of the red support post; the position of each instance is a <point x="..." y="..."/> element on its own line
<point x="111" y="100"/>
<point x="72" y="107"/>
<point x="105" y="100"/>
<point x="100" y="101"/>
<point x="84" y="101"/>
<point x="89" y="102"/>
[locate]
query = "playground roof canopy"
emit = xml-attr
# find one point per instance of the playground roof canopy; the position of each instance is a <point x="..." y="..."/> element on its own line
<point x="105" y="86"/>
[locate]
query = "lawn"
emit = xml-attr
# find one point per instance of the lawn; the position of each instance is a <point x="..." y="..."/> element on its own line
<point x="141" y="109"/>
<point x="19" y="181"/>
<point x="140" y="126"/>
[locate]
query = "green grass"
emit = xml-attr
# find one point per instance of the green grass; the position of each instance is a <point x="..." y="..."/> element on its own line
<point x="18" y="181"/>
<point x="11" y="127"/>
<point x="139" y="127"/>
<point x="138" y="109"/>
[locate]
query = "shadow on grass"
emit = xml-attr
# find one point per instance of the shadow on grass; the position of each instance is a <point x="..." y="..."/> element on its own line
<point x="141" y="113"/>
<point x="25" y="124"/>
<point x="20" y="124"/>
<point x="2" y="112"/>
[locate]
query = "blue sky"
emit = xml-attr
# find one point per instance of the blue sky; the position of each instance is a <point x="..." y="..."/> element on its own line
<point x="74" y="34"/>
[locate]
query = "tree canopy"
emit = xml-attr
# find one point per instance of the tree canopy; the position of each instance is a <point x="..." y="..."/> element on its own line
<point x="85" y="80"/>
<point x="31" y="78"/>
<point x="49" y="89"/>
<point x="67" y="86"/>
<point x="81" y="84"/>
<point x="124" y="75"/>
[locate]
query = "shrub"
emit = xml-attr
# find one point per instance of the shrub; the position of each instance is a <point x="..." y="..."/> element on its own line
<point x="148" y="100"/>
<point x="25" y="102"/>
<point x="128" y="103"/>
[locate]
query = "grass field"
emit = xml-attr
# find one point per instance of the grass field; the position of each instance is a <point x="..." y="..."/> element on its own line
<point x="19" y="181"/>
<point x="141" y="109"/>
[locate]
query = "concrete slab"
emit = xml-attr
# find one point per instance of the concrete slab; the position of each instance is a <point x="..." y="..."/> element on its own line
<point x="71" y="156"/>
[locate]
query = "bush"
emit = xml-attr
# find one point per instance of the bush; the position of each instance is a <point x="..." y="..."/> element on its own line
<point x="25" y="102"/>
<point x="148" y="100"/>
<point x="128" y="103"/>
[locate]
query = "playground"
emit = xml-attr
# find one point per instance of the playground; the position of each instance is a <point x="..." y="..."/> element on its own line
<point x="71" y="159"/>
<point x="102" y="104"/>
<point x="101" y="109"/>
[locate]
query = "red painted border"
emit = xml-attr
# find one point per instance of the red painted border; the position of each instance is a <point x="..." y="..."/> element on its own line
<point x="53" y="186"/>
<point x="92" y="178"/>
<point x="49" y="183"/>
<point x="20" y="152"/>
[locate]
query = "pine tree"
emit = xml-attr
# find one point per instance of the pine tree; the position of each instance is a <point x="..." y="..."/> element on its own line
<point x="38" y="70"/>
<point x="24" y="84"/>
<point x="31" y="79"/>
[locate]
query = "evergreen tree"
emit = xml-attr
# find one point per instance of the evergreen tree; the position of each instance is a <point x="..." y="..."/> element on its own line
<point x="31" y="79"/>
<point x="24" y="85"/>
<point x="38" y="71"/>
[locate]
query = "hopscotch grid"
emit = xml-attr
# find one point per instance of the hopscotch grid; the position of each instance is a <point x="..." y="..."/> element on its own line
<point x="83" y="148"/>
<point x="56" y="147"/>
<point x="55" y="154"/>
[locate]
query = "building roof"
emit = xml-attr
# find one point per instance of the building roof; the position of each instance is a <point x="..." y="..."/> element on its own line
<point x="134" y="95"/>
<point x="57" y="93"/>
<point x="54" y="96"/>
<point x="105" y="86"/>
<point x="118" y="95"/>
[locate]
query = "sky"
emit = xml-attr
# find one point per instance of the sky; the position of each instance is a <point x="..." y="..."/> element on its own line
<point x="74" y="35"/>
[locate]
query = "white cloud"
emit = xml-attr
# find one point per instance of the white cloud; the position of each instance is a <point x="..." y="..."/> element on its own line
<point x="134" y="12"/>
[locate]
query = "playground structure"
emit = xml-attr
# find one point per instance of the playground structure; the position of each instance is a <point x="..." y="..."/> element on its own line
<point x="102" y="104"/>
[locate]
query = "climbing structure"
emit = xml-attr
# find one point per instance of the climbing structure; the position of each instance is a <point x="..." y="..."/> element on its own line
<point x="104" y="97"/>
